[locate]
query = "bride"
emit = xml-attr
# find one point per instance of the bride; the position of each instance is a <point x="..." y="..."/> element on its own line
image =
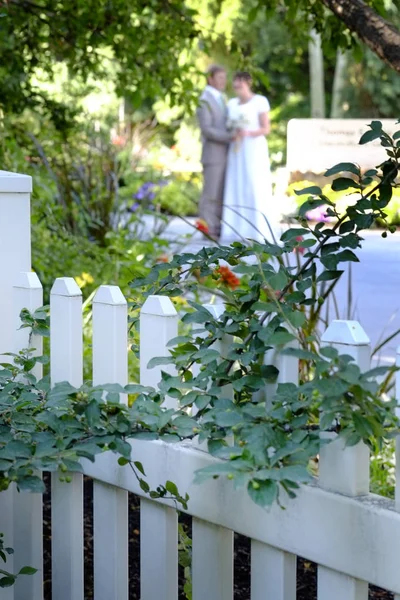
<point x="248" y="187"/>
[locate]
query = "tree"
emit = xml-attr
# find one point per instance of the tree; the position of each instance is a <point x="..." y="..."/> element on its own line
<point x="348" y="20"/>
<point x="137" y="41"/>
<point x="373" y="29"/>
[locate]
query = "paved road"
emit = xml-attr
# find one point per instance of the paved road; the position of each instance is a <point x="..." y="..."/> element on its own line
<point x="375" y="284"/>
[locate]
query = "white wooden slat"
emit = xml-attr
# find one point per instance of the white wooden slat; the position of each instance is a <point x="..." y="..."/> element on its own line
<point x="110" y="504"/>
<point x="158" y="551"/>
<point x="222" y="346"/>
<point x="273" y="573"/>
<point x="158" y="523"/>
<point x="28" y="508"/>
<point x="66" y="498"/>
<point x="15" y="246"/>
<point x="333" y="585"/>
<point x="345" y="470"/>
<point x="158" y="325"/>
<point x="7" y="528"/>
<point x="272" y="569"/>
<point x="397" y="491"/>
<point x="212" y="561"/>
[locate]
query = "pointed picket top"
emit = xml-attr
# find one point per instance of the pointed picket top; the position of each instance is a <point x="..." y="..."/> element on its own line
<point x="27" y="280"/>
<point x="216" y="310"/>
<point x="345" y="332"/>
<point x="109" y="294"/>
<point x="65" y="286"/>
<point x="15" y="183"/>
<point x="159" y="306"/>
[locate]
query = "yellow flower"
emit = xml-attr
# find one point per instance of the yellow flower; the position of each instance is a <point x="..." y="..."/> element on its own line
<point x="179" y="301"/>
<point x="84" y="279"/>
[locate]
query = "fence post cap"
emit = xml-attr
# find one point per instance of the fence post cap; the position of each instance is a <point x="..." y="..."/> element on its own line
<point x="109" y="294"/>
<point x="27" y="280"/>
<point x="159" y="306"/>
<point x="215" y="309"/>
<point x="345" y="332"/>
<point x="65" y="286"/>
<point x="15" y="183"/>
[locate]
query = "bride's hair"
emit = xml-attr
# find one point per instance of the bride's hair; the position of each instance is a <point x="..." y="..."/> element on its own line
<point x="243" y="76"/>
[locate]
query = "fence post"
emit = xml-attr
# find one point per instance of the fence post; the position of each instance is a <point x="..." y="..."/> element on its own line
<point x="28" y="508"/>
<point x="7" y="529"/>
<point x="273" y="571"/>
<point x="110" y="504"/>
<point x="158" y="523"/>
<point x="15" y="245"/>
<point x="212" y="554"/>
<point x="345" y="470"/>
<point x="158" y="325"/>
<point x="66" y="498"/>
<point x="397" y="491"/>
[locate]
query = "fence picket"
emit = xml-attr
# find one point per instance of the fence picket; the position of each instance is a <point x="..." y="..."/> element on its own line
<point x="397" y="460"/>
<point x="28" y="508"/>
<point x="158" y="524"/>
<point x="110" y="504"/>
<point x="345" y="470"/>
<point x="15" y="245"/>
<point x="7" y="529"/>
<point x="66" y="499"/>
<point x="273" y="573"/>
<point x="212" y="561"/>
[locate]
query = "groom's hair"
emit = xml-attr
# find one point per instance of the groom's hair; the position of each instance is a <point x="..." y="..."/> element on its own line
<point x="214" y="69"/>
<point x="243" y="76"/>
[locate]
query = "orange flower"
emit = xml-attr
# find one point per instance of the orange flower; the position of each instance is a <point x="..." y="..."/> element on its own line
<point x="202" y="226"/>
<point x="227" y="277"/>
<point x="300" y="249"/>
<point x="162" y="259"/>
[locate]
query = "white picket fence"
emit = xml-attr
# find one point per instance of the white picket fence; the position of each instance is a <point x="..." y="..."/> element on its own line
<point x="352" y="535"/>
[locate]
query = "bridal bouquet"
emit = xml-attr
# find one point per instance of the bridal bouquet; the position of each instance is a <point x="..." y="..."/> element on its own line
<point x="236" y="123"/>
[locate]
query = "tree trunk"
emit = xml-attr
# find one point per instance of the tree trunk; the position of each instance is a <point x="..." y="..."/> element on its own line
<point x="317" y="86"/>
<point x="339" y="82"/>
<point x="377" y="33"/>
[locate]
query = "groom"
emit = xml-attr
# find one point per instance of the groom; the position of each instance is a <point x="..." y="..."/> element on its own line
<point x="212" y="116"/>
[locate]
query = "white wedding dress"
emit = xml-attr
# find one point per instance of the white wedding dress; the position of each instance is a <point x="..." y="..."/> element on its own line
<point x="248" y="186"/>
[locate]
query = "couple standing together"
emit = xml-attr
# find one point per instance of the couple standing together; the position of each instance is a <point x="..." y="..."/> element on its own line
<point x="236" y="171"/>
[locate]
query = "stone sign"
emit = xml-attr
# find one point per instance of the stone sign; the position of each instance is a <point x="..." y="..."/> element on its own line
<point x="314" y="145"/>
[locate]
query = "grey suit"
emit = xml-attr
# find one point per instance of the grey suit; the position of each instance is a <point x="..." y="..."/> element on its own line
<point x="215" y="139"/>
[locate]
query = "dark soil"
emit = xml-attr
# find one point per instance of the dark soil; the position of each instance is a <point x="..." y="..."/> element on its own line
<point x="306" y="571"/>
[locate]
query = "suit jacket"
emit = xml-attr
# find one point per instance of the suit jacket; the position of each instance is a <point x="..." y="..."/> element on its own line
<point x="215" y="136"/>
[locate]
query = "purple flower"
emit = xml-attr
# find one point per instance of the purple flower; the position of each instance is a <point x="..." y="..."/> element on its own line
<point x="151" y="196"/>
<point x="317" y="214"/>
<point x="134" y="207"/>
<point x="140" y="195"/>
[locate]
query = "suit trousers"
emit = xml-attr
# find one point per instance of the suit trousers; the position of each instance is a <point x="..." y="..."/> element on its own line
<point x="211" y="201"/>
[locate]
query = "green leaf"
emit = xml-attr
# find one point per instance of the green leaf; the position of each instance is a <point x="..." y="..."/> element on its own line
<point x="313" y="190"/>
<point x="139" y="467"/>
<point x="27" y="571"/>
<point x="370" y="136"/>
<point x="281" y="337"/>
<point x="263" y="493"/>
<point x="160" y="360"/>
<point x="293" y="233"/>
<point x="330" y="275"/>
<point x="296" y="473"/>
<point x="344" y="183"/>
<point x="344" y="167"/>
<point x="7" y="581"/>
<point x="278" y="281"/>
<point x="180" y="339"/>
<point x="171" y="488"/>
<point x="31" y="483"/>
